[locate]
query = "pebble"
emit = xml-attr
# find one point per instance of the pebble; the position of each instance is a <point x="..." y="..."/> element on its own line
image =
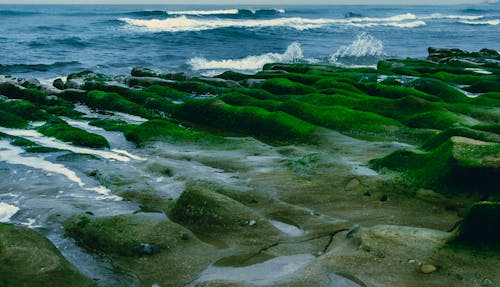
<point x="487" y="282"/>
<point x="427" y="268"/>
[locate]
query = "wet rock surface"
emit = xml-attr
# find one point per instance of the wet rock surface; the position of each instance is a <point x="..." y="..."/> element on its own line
<point x="299" y="175"/>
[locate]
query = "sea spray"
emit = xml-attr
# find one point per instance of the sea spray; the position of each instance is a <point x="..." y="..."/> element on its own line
<point x="251" y="63"/>
<point x="364" y="50"/>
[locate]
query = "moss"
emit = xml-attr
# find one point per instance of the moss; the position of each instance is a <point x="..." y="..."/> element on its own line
<point x="438" y="119"/>
<point x="203" y="209"/>
<point x="485" y="86"/>
<point x="457" y="165"/>
<point x="198" y="88"/>
<point x="442" y="137"/>
<point x="113" y="102"/>
<point x="481" y="225"/>
<point x="24" y="109"/>
<point x="341" y="118"/>
<point x="395" y="92"/>
<point x="282" y="86"/>
<point x="11" y="120"/>
<point x="492" y="128"/>
<point x="238" y="99"/>
<point x="457" y="79"/>
<point x="261" y="94"/>
<point x="63" y="111"/>
<point x="440" y="89"/>
<point x="63" y="131"/>
<point x="329" y="100"/>
<point x="327" y="83"/>
<point x="167" y="92"/>
<point x="248" y="120"/>
<point x="167" y="131"/>
<point x="305" y="79"/>
<point x="29" y="259"/>
<point x="124" y="235"/>
<point x="111" y="124"/>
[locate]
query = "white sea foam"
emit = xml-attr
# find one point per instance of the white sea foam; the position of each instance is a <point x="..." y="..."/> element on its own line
<point x="442" y="16"/>
<point x="412" y="24"/>
<point x="12" y="154"/>
<point x="220" y="12"/>
<point x="38" y="138"/>
<point x="183" y="23"/>
<point x="205" y="12"/>
<point x="251" y="63"/>
<point x="7" y="211"/>
<point x="364" y="46"/>
<point x="494" y="22"/>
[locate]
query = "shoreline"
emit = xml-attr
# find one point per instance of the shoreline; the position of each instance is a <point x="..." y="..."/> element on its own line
<point x="297" y="174"/>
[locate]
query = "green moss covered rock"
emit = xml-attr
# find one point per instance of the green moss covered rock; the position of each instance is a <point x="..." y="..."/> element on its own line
<point x="28" y="259"/>
<point x="63" y="131"/>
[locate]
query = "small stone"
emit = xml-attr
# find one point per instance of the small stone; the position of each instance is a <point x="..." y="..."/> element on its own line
<point x="384" y="198"/>
<point x="58" y="83"/>
<point x="252" y="223"/>
<point x="412" y="261"/>
<point x="319" y="253"/>
<point x="427" y="268"/>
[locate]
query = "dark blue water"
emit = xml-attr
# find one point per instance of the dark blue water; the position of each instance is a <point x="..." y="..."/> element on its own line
<point x="48" y="41"/>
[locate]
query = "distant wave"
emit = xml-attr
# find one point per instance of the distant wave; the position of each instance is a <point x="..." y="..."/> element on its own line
<point x="183" y="23"/>
<point x="16" y="13"/>
<point x="461" y="17"/>
<point x="251" y="63"/>
<point x="27" y="68"/>
<point x="487" y="22"/>
<point x="226" y="12"/>
<point x="146" y="13"/>
<point x="364" y="50"/>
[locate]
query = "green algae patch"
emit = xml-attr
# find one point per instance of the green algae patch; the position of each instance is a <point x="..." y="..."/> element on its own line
<point x="61" y="130"/>
<point x="458" y="165"/>
<point x="395" y="92"/>
<point x="442" y="137"/>
<point x="282" y="86"/>
<point x="167" y="92"/>
<point x="440" y="89"/>
<point x="253" y="121"/>
<point x="10" y="120"/>
<point x="124" y="235"/>
<point x="113" y="102"/>
<point x="492" y="128"/>
<point x="196" y="87"/>
<point x="341" y="118"/>
<point x="111" y="124"/>
<point x="481" y="225"/>
<point x="24" y="109"/>
<point x="29" y="259"/>
<point x="165" y="130"/>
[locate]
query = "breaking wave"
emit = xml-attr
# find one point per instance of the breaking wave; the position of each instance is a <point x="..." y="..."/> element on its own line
<point x="460" y="17"/>
<point x="227" y="12"/>
<point x="488" y="22"/>
<point x="364" y="50"/>
<point x="183" y="23"/>
<point x="251" y="63"/>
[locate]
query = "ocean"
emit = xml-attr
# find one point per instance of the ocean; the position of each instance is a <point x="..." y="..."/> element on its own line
<point x="47" y="41"/>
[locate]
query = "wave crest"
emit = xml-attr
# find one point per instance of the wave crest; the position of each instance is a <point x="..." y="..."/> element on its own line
<point x="251" y="63"/>
<point x="489" y="22"/>
<point x="228" y="12"/>
<point x="183" y="23"/>
<point x="460" y="17"/>
<point x="364" y="50"/>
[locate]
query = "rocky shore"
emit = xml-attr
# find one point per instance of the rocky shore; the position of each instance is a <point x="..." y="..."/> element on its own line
<point x="299" y="175"/>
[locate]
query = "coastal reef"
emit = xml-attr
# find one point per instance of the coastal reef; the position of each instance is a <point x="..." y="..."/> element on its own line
<point x="299" y="175"/>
